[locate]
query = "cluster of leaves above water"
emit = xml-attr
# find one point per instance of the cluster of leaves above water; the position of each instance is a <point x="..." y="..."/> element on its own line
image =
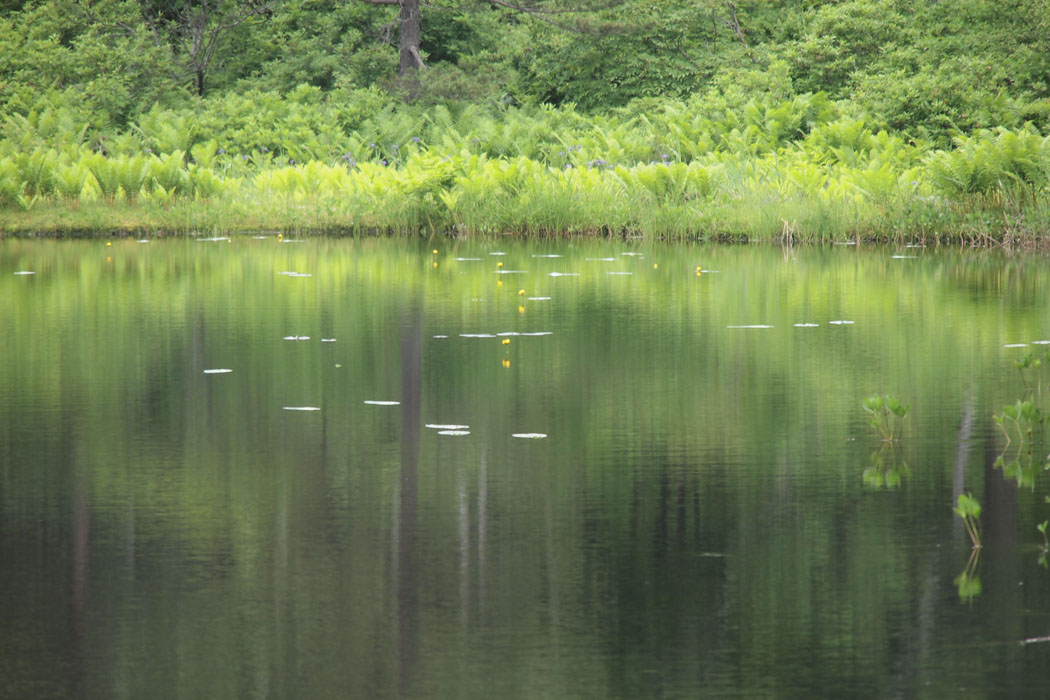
<point x="1024" y="421"/>
<point x="886" y="415"/>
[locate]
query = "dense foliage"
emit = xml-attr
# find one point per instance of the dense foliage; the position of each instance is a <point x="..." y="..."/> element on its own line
<point x="927" y="66"/>
<point x="860" y="116"/>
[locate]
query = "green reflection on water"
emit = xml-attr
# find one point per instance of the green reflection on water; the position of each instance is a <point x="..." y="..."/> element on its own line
<point x="696" y="520"/>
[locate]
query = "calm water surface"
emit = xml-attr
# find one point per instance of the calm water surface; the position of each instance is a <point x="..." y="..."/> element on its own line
<point x="708" y="514"/>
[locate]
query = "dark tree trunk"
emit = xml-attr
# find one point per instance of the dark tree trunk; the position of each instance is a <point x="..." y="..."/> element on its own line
<point x="408" y="39"/>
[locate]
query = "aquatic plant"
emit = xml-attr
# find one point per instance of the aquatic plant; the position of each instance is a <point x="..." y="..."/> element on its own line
<point x="969" y="510"/>
<point x="886" y="415"/>
<point x="1026" y="417"/>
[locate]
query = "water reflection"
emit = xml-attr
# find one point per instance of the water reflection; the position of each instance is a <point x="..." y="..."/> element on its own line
<point x="690" y="523"/>
<point x="887" y="467"/>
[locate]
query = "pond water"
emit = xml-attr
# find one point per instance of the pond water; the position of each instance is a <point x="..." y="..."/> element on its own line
<point x="663" y="485"/>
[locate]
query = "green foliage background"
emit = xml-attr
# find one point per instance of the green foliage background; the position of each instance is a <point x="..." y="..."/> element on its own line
<point x="925" y="67"/>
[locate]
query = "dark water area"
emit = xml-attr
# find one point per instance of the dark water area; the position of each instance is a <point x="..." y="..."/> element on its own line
<point x="707" y="513"/>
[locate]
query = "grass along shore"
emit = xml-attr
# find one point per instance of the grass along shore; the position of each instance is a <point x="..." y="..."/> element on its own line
<point x="793" y="171"/>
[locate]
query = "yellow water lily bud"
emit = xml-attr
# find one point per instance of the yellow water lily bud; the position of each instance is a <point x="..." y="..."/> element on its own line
<point x="506" y="341"/>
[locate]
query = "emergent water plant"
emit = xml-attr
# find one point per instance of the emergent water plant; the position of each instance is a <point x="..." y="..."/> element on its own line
<point x="1026" y="417"/>
<point x="886" y="415"/>
<point x="969" y="509"/>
